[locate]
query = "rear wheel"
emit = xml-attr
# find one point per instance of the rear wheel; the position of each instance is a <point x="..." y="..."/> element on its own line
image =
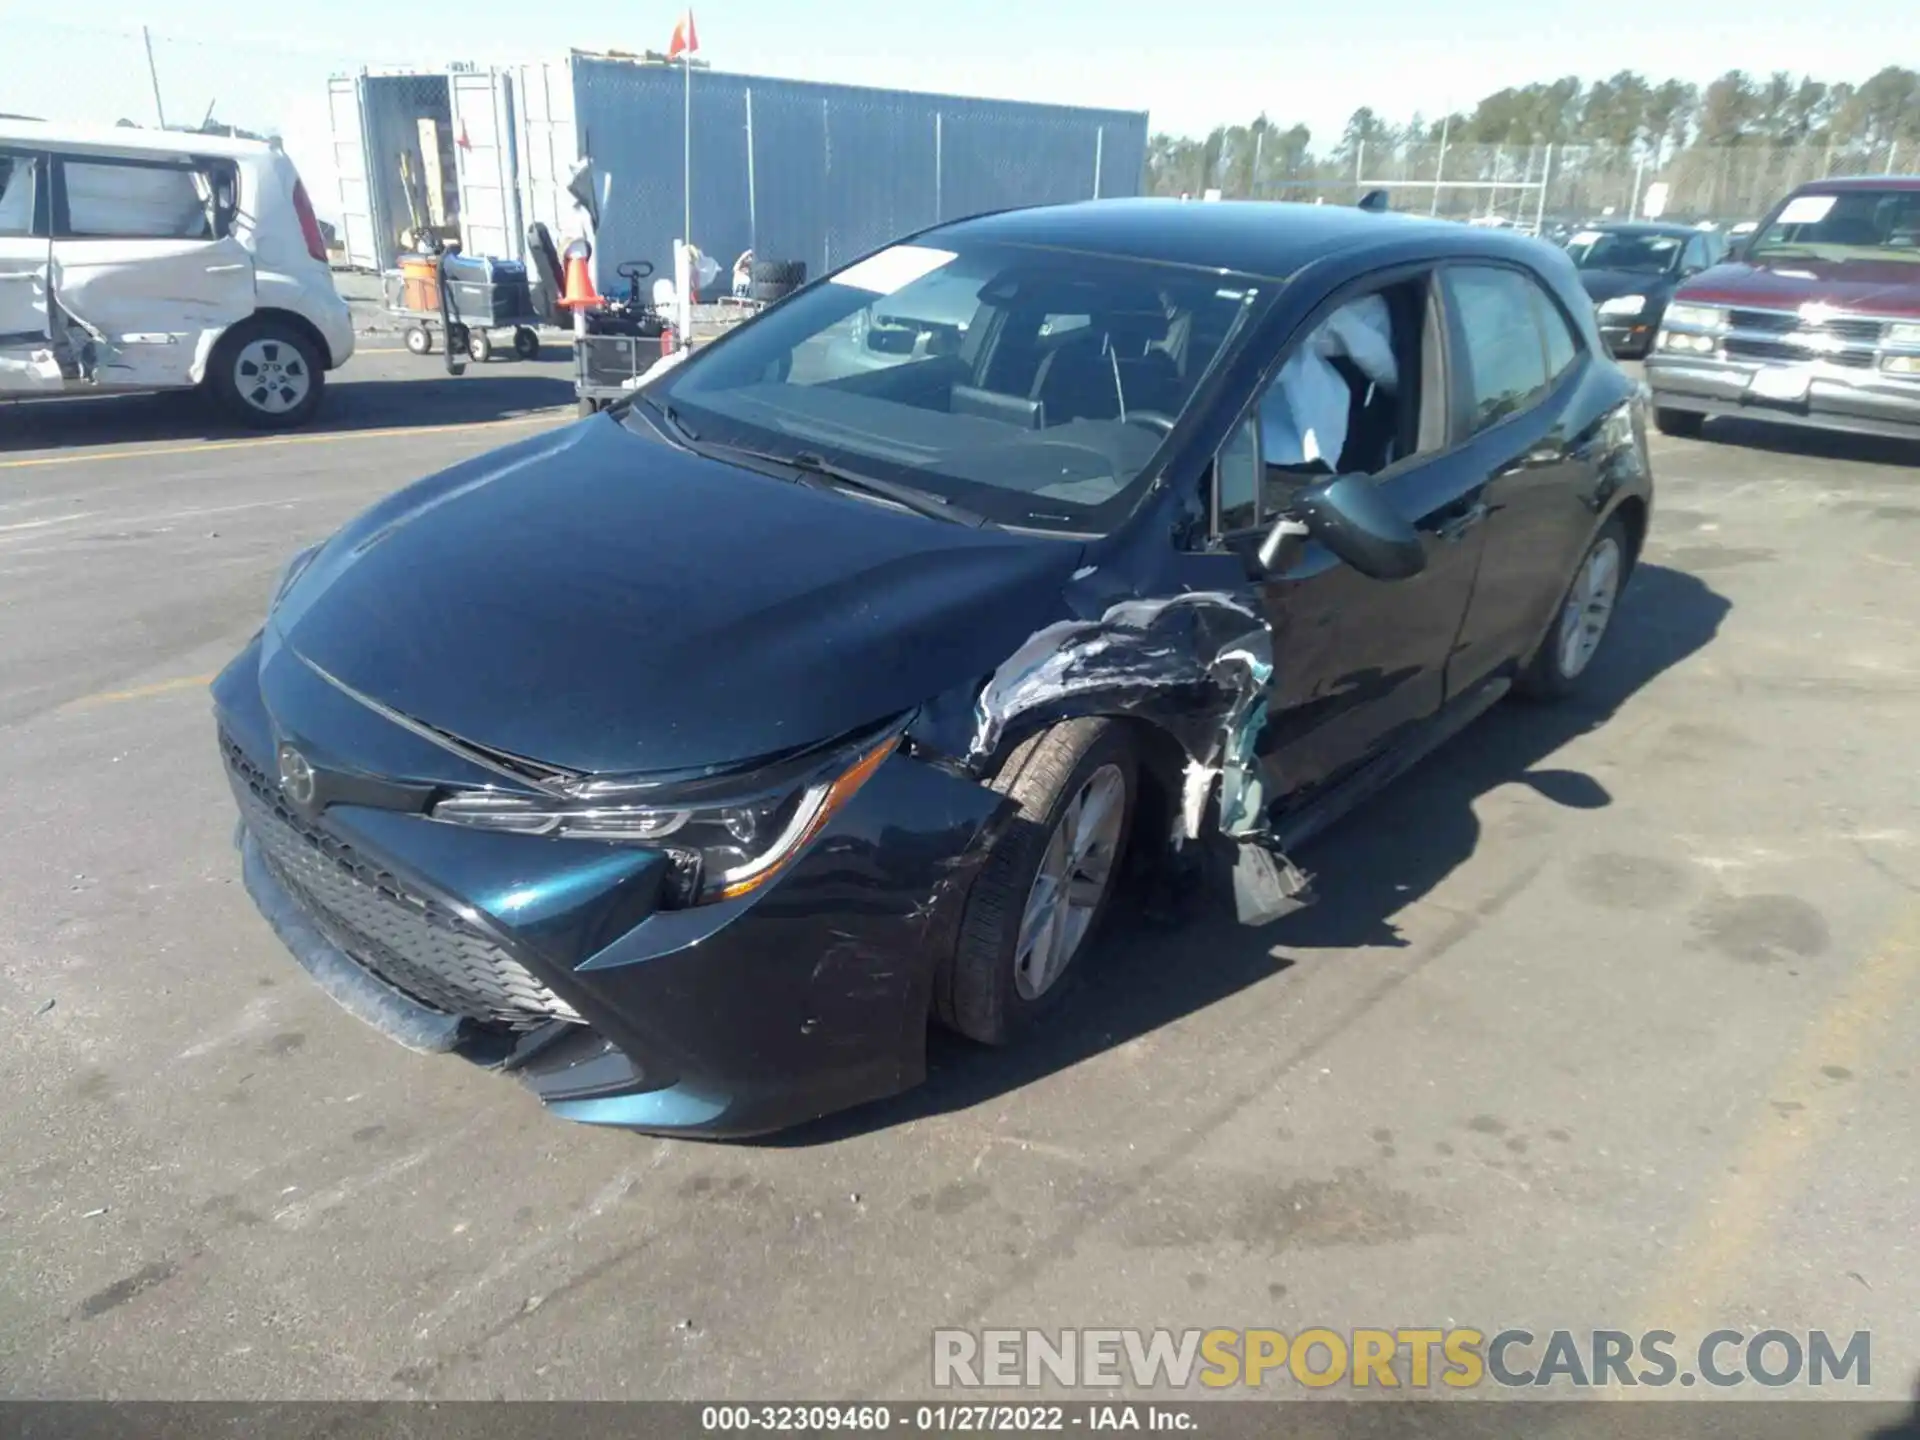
<point x="479" y="345"/>
<point x="1685" y="424"/>
<point x="1584" y="619"/>
<point x="419" y="340"/>
<point x="267" y="374"/>
<point x="526" y="343"/>
<point x="1044" y="890"/>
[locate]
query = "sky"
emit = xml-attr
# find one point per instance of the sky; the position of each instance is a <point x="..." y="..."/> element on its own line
<point x="1191" y="64"/>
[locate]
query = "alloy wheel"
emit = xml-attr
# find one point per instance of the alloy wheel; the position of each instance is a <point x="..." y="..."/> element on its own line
<point x="1072" y="880"/>
<point x="271" y="376"/>
<point x="1589" y="606"/>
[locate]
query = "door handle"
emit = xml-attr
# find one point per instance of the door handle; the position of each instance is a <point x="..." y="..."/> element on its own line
<point x="225" y="269"/>
<point x="1453" y="524"/>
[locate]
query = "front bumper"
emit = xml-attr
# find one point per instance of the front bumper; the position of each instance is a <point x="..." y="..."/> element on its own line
<point x="1839" y="398"/>
<point x="727" y="1019"/>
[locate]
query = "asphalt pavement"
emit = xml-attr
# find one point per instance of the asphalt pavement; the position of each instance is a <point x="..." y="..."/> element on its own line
<point x="1604" y="1018"/>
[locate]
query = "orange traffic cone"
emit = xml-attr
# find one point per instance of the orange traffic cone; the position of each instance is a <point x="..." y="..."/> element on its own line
<point x="580" y="294"/>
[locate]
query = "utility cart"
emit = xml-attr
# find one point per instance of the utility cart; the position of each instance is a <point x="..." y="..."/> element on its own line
<point x="483" y="298"/>
<point x="623" y="338"/>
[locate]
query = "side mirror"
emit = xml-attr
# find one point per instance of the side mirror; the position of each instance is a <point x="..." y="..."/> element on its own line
<point x="1350" y="516"/>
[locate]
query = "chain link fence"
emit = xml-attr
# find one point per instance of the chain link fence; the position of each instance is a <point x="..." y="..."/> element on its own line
<point x="1523" y="185"/>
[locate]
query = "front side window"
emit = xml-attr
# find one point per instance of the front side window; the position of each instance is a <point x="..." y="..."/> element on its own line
<point x="1030" y="386"/>
<point x="124" y="200"/>
<point x="1844" y="226"/>
<point x="1348" y="399"/>
<point x="1506" y="359"/>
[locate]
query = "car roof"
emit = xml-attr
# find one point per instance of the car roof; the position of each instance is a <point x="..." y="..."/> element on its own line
<point x="35" y="134"/>
<point x="1272" y="239"/>
<point x="1859" y="182"/>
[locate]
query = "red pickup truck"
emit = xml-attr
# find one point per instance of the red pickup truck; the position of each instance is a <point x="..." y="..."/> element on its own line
<point x="1814" y="321"/>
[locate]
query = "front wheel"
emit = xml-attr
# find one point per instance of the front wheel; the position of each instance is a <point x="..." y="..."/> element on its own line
<point x="1584" y="618"/>
<point x="1048" y="883"/>
<point x="267" y="375"/>
<point x="479" y="345"/>
<point x="526" y="343"/>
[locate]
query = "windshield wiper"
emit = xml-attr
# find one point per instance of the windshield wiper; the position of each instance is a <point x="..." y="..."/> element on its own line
<point x="819" y="473"/>
<point x="672" y="416"/>
<point x="921" y="502"/>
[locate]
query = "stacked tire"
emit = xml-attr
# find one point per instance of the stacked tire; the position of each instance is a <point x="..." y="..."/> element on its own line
<point x="776" y="279"/>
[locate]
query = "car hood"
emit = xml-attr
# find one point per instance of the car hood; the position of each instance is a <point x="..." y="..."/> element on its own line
<point x="604" y="602"/>
<point x="1606" y="284"/>
<point x="1865" y="287"/>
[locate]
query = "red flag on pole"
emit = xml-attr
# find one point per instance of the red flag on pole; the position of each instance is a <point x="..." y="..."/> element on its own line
<point x="686" y="39"/>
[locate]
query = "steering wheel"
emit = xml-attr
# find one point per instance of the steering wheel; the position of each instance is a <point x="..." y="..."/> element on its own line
<point x="1152" y="419"/>
<point x="634" y="269"/>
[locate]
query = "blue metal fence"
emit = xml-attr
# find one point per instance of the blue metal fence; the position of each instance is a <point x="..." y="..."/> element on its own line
<point x="823" y="173"/>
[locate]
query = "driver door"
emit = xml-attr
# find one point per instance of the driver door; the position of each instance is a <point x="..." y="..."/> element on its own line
<point x="1357" y="661"/>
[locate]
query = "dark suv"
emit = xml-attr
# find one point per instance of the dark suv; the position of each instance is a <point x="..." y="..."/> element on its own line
<point x="1814" y="321"/>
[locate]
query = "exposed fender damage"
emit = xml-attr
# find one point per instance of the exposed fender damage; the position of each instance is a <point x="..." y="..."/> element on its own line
<point x="1197" y="666"/>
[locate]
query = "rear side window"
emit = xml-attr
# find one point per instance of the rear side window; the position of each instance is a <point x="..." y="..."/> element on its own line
<point x="1499" y="317"/>
<point x="126" y="200"/>
<point x="16" y="195"/>
<point x="1562" y="348"/>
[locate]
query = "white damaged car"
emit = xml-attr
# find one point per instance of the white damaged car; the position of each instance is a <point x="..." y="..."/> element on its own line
<point x="163" y="260"/>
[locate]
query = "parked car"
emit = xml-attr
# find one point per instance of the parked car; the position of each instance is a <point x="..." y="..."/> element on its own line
<point x="1814" y="321"/>
<point x="1631" y="268"/>
<point x="163" y="260"/>
<point x="686" y="760"/>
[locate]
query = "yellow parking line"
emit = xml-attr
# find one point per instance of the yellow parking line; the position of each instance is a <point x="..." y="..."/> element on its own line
<point x="204" y="446"/>
<point x="1768" y="1167"/>
<point x="140" y="692"/>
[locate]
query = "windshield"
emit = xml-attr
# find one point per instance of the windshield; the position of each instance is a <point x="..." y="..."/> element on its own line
<point x="1846" y="225"/>
<point x="1030" y="386"/>
<point x="1617" y="250"/>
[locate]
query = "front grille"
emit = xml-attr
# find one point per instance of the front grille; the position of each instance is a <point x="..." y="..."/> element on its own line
<point x="1786" y="322"/>
<point x="414" y="943"/>
<point x="1742" y="347"/>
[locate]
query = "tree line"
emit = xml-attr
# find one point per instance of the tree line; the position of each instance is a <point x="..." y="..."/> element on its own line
<point x="1625" y="123"/>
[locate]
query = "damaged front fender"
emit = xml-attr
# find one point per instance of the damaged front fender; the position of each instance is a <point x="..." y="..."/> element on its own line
<point x="1195" y="665"/>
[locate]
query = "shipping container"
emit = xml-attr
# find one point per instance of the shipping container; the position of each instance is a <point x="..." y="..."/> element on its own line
<point x="790" y="169"/>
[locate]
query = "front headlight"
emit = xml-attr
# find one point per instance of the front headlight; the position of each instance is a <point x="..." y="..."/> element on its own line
<point x="1903" y="337"/>
<point x="1696" y="317"/>
<point x="721" y="849"/>
<point x="1623" y="305"/>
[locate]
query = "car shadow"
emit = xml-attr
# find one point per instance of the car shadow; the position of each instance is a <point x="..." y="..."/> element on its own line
<point x="1756" y="434"/>
<point x="1384" y="857"/>
<point x="486" y="392"/>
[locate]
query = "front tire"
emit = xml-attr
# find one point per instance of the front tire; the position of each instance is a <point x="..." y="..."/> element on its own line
<point x="1584" y="619"/>
<point x="1043" y="892"/>
<point x="267" y="375"/>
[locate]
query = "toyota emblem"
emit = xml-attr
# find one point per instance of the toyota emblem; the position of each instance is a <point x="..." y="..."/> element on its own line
<point x="296" y="776"/>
